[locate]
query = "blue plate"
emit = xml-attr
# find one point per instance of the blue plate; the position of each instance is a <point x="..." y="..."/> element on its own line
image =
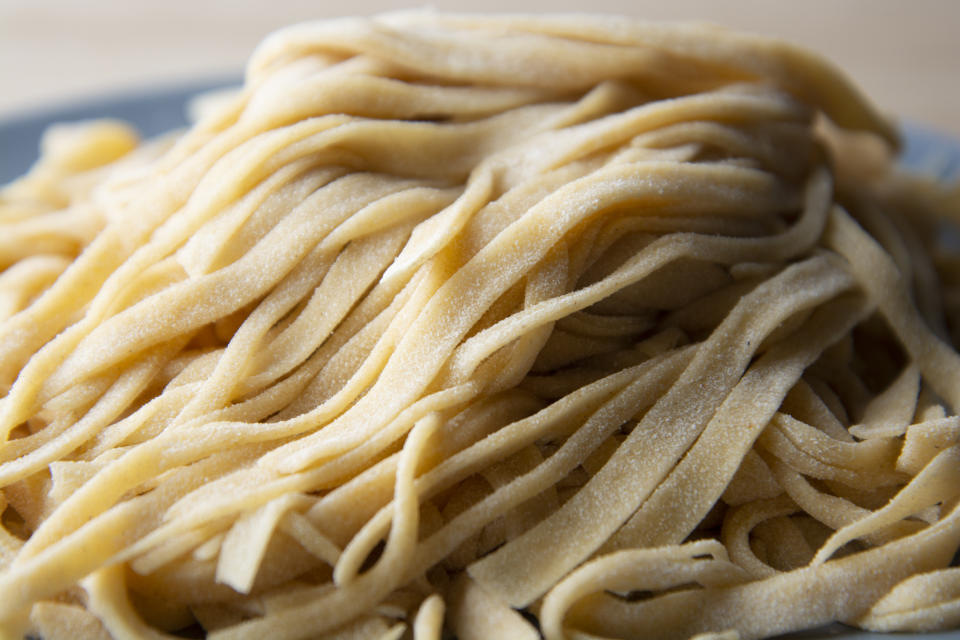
<point x="930" y="152"/>
<point x="159" y="110"/>
<point x="152" y="112"/>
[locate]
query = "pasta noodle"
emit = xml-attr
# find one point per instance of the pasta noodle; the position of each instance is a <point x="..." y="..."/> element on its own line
<point x="501" y="327"/>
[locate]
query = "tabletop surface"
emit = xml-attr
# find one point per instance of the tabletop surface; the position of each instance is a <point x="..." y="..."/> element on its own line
<point x="905" y="54"/>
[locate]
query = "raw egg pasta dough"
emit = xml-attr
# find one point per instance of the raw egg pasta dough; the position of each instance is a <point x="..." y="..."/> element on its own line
<point x="485" y="327"/>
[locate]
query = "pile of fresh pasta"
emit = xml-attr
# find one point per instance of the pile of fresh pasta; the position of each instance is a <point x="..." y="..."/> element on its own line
<point x="483" y="327"/>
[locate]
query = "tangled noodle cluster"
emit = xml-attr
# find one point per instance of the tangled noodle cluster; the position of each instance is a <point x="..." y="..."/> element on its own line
<point x="499" y="325"/>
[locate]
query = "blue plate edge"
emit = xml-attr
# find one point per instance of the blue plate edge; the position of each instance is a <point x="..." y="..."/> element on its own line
<point x="152" y="110"/>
